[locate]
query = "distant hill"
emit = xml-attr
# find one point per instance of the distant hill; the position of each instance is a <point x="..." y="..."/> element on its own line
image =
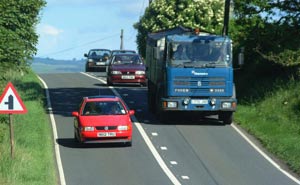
<point x="49" y="65"/>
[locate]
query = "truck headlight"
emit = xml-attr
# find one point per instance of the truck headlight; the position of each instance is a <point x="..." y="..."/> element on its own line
<point x="170" y="104"/>
<point x="90" y="60"/>
<point x="226" y="105"/>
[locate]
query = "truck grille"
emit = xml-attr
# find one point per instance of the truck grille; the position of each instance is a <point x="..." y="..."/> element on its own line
<point x="199" y="81"/>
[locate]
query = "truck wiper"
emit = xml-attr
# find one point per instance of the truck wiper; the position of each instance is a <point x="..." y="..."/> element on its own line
<point x="177" y="65"/>
<point x="211" y="64"/>
<point x="199" y="65"/>
<point x="188" y="64"/>
<point x="206" y="65"/>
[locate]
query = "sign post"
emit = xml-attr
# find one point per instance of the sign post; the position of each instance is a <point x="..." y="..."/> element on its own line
<point x="11" y="103"/>
<point x="11" y="129"/>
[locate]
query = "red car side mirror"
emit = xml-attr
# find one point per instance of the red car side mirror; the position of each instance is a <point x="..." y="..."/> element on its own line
<point x="76" y="114"/>
<point x="131" y="112"/>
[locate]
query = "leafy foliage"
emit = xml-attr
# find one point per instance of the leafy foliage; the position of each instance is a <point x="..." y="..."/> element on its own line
<point x="165" y="14"/>
<point x="269" y="30"/>
<point x="17" y="32"/>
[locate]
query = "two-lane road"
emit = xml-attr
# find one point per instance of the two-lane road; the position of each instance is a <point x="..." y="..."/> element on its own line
<point x="186" y="152"/>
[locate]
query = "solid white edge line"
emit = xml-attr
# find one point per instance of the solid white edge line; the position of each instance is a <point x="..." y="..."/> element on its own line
<point x="54" y="129"/>
<point x="265" y="155"/>
<point x="150" y="145"/>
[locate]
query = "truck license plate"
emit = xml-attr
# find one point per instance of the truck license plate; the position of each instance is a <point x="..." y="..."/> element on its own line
<point x="199" y="102"/>
<point x="106" y="134"/>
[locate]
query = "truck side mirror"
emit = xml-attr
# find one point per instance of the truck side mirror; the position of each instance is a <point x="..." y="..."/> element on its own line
<point x="241" y="57"/>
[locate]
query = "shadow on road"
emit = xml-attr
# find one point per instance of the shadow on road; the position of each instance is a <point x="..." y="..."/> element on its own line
<point x="72" y="143"/>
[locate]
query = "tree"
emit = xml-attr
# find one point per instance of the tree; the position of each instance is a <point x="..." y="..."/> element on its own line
<point x="18" y="38"/>
<point x="165" y="14"/>
<point x="269" y="29"/>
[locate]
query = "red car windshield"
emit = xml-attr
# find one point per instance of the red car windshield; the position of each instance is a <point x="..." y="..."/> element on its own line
<point x="127" y="59"/>
<point x="103" y="108"/>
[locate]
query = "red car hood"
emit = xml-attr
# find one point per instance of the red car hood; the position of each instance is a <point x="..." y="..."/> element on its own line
<point x="106" y="120"/>
<point x="134" y="67"/>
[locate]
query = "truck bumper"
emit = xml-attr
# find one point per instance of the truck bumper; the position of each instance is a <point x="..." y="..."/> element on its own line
<point x="213" y="104"/>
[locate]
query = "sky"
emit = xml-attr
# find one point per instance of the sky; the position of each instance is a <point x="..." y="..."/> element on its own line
<point x="70" y="28"/>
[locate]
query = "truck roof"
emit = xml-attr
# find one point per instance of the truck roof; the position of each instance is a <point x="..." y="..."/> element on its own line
<point x="161" y="34"/>
<point x="197" y="38"/>
<point x="182" y="34"/>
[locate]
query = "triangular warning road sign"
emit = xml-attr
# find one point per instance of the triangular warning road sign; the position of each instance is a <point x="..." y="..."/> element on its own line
<point x="10" y="101"/>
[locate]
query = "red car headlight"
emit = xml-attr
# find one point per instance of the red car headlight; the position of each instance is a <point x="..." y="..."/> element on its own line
<point x="88" y="128"/>
<point x="124" y="127"/>
<point x="140" y="72"/>
<point x="115" y="72"/>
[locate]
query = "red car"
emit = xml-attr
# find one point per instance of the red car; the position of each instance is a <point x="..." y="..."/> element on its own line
<point x="103" y="119"/>
<point x="126" y="68"/>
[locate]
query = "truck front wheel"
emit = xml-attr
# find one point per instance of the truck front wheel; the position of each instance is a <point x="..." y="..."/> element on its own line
<point x="226" y="117"/>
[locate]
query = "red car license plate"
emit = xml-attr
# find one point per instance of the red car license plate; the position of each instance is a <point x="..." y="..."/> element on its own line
<point x="127" y="77"/>
<point x="106" y="134"/>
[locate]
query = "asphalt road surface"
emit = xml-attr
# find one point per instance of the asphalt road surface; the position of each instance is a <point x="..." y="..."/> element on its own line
<point x="186" y="151"/>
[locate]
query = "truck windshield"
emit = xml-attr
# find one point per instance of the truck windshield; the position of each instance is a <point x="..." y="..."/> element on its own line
<point x="199" y="54"/>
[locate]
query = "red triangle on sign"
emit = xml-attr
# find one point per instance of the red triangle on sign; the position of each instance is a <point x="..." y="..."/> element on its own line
<point x="10" y="101"/>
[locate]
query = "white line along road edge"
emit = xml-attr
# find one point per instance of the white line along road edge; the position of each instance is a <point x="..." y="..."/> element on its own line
<point x="265" y="155"/>
<point x="56" y="146"/>
<point x="150" y="145"/>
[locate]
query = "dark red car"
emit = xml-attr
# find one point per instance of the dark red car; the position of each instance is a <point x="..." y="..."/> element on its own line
<point x="103" y="119"/>
<point x="126" y="68"/>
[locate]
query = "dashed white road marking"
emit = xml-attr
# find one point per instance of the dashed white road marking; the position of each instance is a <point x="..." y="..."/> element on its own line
<point x="173" y="162"/>
<point x="154" y="134"/>
<point x="185" y="177"/>
<point x="163" y="148"/>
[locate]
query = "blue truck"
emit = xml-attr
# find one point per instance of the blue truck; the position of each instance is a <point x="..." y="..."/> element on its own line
<point x="192" y="72"/>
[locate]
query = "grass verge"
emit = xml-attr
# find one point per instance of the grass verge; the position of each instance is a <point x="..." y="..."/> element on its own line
<point x="34" y="160"/>
<point x="275" y="122"/>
